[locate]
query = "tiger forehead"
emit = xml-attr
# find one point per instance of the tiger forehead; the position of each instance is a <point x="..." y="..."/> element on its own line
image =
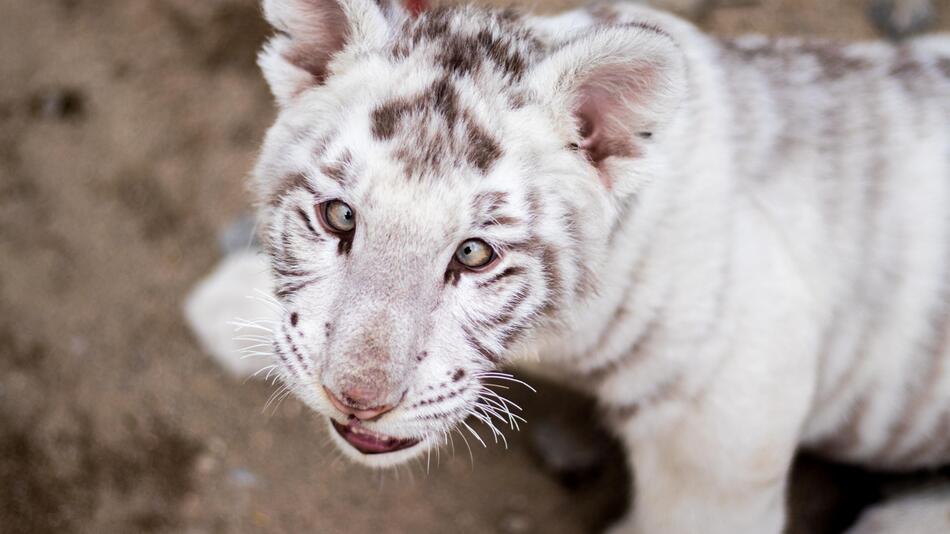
<point x="433" y="132"/>
<point x="472" y="40"/>
<point x="489" y="203"/>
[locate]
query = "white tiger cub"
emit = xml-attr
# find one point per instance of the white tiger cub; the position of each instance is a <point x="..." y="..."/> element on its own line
<point x="741" y="247"/>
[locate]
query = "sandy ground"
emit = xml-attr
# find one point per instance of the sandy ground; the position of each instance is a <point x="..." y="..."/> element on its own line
<point x="126" y="128"/>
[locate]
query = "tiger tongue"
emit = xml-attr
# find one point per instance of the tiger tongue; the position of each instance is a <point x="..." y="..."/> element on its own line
<point x="368" y="442"/>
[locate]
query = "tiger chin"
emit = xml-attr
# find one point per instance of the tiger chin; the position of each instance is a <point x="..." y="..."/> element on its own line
<point x="740" y="247"/>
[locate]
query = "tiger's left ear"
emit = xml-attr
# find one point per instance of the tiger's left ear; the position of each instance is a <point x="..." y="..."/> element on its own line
<point x="616" y="87"/>
<point x="314" y="34"/>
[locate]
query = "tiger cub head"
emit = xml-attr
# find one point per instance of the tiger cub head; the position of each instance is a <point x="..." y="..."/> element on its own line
<point x="434" y="191"/>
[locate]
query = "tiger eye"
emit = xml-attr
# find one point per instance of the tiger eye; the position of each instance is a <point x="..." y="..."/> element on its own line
<point x="339" y="216"/>
<point x="474" y="253"/>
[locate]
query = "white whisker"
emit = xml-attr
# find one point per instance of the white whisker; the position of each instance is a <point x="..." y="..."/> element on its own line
<point x="255" y="346"/>
<point x="488" y="422"/>
<point x="503" y="399"/>
<point x="259" y="339"/>
<point x="267" y="298"/>
<point x="471" y="456"/>
<point x="267" y="355"/>
<point x="273" y="396"/>
<point x="268" y="369"/>
<point x="279" y="401"/>
<point x="505" y="376"/>
<point x="479" y="438"/>
<point x="241" y="324"/>
<point x="488" y="409"/>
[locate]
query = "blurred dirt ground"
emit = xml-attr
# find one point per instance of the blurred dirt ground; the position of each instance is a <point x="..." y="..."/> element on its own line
<point x="126" y="129"/>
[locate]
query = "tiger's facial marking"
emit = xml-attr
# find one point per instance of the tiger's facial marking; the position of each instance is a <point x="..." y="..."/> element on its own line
<point x="459" y="140"/>
<point x="339" y="169"/>
<point x="289" y="185"/>
<point x="420" y="202"/>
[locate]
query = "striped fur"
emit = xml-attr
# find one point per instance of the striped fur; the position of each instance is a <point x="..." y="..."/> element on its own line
<point x="897" y="18"/>
<point x="740" y="246"/>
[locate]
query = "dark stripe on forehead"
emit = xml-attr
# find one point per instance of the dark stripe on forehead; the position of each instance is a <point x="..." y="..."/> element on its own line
<point x="459" y="57"/>
<point x="385" y="118"/>
<point x="440" y="98"/>
<point x="289" y="185"/>
<point x="483" y="149"/>
<point x="502" y="220"/>
<point x="335" y="172"/>
<point x="431" y="25"/>
<point x="486" y="203"/>
<point x="468" y="38"/>
<point x="487" y="206"/>
<point x="437" y="134"/>
<point x="338" y="170"/>
<point x="464" y="54"/>
<point x="444" y="100"/>
<point x="502" y="54"/>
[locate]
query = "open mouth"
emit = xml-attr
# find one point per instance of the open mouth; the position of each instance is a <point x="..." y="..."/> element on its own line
<point x="368" y="442"/>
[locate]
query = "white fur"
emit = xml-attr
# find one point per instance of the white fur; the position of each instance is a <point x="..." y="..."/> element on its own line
<point x="228" y="306"/>
<point x="746" y="299"/>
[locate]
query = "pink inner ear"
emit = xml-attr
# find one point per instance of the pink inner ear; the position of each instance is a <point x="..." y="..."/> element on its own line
<point x="611" y="112"/>
<point x="416" y="7"/>
<point x="591" y="116"/>
<point x="601" y="138"/>
<point x="324" y="32"/>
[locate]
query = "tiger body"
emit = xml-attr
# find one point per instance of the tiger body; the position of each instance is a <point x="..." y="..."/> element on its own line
<point x="827" y="200"/>
<point x="740" y="247"/>
<point x="898" y="18"/>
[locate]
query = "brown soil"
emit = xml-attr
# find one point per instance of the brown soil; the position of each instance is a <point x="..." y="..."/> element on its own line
<point x="126" y="129"/>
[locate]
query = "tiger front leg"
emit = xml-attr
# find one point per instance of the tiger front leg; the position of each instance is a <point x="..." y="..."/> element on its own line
<point x="674" y="495"/>
<point x="721" y="464"/>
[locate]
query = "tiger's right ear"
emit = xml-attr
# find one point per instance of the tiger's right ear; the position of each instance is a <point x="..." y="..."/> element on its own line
<point x="314" y="35"/>
<point x="613" y="88"/>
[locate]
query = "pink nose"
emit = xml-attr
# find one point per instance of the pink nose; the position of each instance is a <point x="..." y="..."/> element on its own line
<point x="358" y="402"/>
